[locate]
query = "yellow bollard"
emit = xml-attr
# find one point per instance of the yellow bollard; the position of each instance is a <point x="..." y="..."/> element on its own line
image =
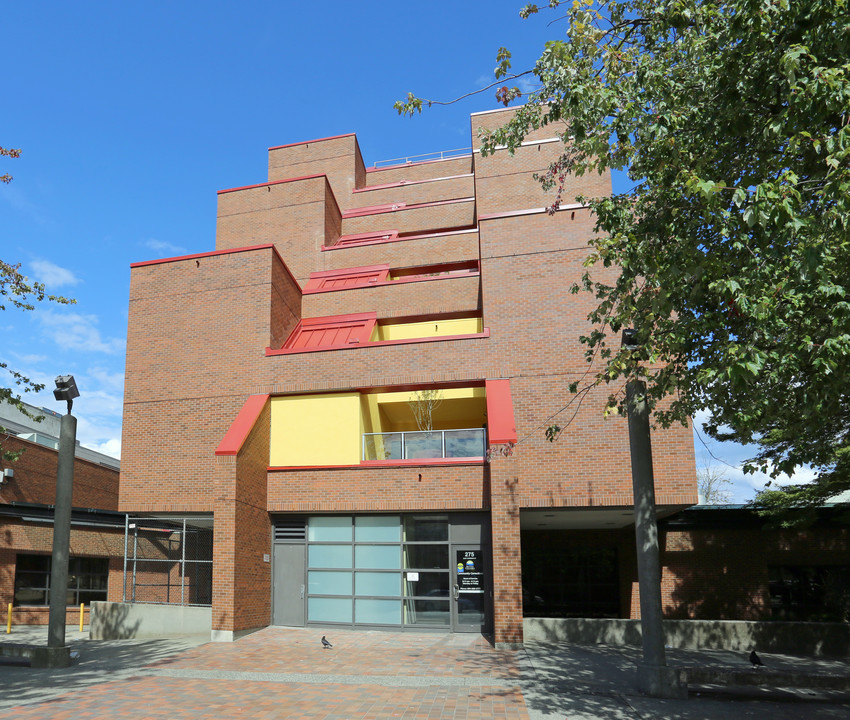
<point x="82" y="605"/>
<point x="9" y="620"/>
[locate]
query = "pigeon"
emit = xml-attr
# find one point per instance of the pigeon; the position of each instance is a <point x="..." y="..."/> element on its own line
<point x="755" y="660"/>
<point x="326" y="643"/>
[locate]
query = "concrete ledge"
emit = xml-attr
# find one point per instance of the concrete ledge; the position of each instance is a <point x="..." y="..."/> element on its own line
<point x="40" y="656"/>
<point x="662" y="681"/>
<point x="765" y="678"/>
<point x="790" y="638"/>
<point x="231" y="635"/>
<point x="120" y="621"/>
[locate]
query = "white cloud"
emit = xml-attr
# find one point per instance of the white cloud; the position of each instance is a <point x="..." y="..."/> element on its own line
<point x="75" y="331"/>
<point x="29" y="359"/>
<point x="52" y="275"/>
<point x="165" y="247"/>
<point x="111" y="447"/>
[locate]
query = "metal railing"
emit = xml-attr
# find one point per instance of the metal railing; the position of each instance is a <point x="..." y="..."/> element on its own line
<point x="168" y="561"/>
<point x="439" y="155"/>
<point x="424" y="444"/>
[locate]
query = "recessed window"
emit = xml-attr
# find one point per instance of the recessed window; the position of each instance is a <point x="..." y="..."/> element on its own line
<point x="813" y="593"/>
<point x="370" y="275"/>
<point x="342" y="331"/>
<point x="87" y="580"/>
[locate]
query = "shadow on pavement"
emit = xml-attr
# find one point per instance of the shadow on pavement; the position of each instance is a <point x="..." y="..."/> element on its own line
<point x="99" y="661"/>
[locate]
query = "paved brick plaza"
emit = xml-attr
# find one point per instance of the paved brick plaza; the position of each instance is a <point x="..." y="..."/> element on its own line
<point x="286" y="674"/>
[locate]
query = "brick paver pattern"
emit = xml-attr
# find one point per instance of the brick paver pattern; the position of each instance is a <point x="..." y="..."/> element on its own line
<point x="285" y="673"/>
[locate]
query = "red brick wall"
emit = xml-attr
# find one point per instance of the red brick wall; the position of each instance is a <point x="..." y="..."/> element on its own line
<point x="442" y="248"/>
<point x="414" y="191"/>
<point x="427" y="170"/>
<point x="242" y="535"/>
<point x="31" y="538"/>
<point x="198" y="331"/>
<point x="426" y="297"/>
<point x="338" y="158"/>
<point x="95" y="486"/>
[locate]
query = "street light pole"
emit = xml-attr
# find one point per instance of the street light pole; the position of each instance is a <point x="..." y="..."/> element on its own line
<point x="66" y="389"/>
<point x="654" y="677"/>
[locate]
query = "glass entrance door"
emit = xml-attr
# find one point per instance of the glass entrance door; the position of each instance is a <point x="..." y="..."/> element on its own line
<point x="470" y="589"/>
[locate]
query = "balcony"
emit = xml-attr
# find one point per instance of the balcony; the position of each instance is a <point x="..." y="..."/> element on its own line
<point x="424" y="444"/>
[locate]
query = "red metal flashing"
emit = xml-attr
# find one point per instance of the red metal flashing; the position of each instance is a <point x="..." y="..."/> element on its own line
<point x="531" y="211"/>
<point x="395" y="207"/>
<point x="329" y="332"/>
<point x="501" y="427"/>
<point x="273" y="182"/>
<point x="374" y="209"/>
<point x="329" y="280"/>
<point x="381" y="343"/>
<point x="405" y="183"/>
<point x="424" y="462"/>
<point x="241" y="427"/>
<point x="307" y="142"/>
<point x="395" y="281"/>
<point x="198" y="256"/>
<point x="388" y="236"/>
<point x="475" y="460"/>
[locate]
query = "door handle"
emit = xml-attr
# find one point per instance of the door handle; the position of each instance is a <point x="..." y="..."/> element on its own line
<point x="455" y="592"/>
<point x="302" y="592"/>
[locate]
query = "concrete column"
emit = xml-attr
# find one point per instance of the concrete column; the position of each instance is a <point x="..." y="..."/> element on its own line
<point x="61" y="531"/>
<point x="654" y="677"/>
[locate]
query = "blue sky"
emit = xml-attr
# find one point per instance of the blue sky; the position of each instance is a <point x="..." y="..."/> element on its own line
<point x="131" y="116"/>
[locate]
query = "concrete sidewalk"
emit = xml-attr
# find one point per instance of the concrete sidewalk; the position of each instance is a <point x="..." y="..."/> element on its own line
<point x="285" y="673"/>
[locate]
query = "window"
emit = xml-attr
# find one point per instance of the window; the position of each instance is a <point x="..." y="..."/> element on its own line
<point x="87" y="580"/>
<point x="810" y="593"/>
<point x="345" y="331"/>
<point x="371" y="275"/>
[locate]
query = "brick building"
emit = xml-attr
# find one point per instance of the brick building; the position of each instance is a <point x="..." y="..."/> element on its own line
<point x="27" y="496"/>
<point x="330" y="383"/>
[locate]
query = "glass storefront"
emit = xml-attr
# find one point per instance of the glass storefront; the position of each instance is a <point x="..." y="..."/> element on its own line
<point x="383" y="570"/>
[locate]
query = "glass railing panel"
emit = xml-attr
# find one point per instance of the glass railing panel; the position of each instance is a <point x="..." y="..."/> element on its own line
<point x="465" y="443"/>
<point x="422" y="445"/>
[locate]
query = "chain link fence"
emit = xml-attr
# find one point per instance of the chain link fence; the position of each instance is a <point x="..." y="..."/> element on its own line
<point x="168" y="560"/>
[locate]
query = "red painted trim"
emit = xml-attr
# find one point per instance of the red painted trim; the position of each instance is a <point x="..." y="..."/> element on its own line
<point x="397" y="207"/>
<point x="381" y="343"/>
<point x="367" y="276"/>
<point x="180" y="258"/>
<point x="273" y="182"/>
<point x="307" y="142"/>
<point x="374" y="209"/>
<point x="501" y="426"/>
<point x="421" y="162"/>
<point x="384" y="283"/>
<point x="405" y="183"/>
<point x="532" y="211"/>
<point x="391" y="236"/>
<point x="431" y="317"/>
<point x="241" y="427"/>
<point x="476" y="460"/>
<point x="369" y="464"/>
<point x="348" y="271"/>
<point x="359" y="325"/>
<point x="195" y="256"/>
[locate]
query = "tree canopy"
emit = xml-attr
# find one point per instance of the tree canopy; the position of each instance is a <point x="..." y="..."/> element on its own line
<point x="732" y="120"/>
<point x="17" y="291"/>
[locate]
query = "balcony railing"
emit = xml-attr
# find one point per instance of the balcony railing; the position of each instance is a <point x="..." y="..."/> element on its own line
<point x="425" y="444"/>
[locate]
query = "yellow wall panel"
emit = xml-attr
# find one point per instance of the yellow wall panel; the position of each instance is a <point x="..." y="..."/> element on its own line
<point x="430" y="328"/>
<point x="316" y="430"/>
